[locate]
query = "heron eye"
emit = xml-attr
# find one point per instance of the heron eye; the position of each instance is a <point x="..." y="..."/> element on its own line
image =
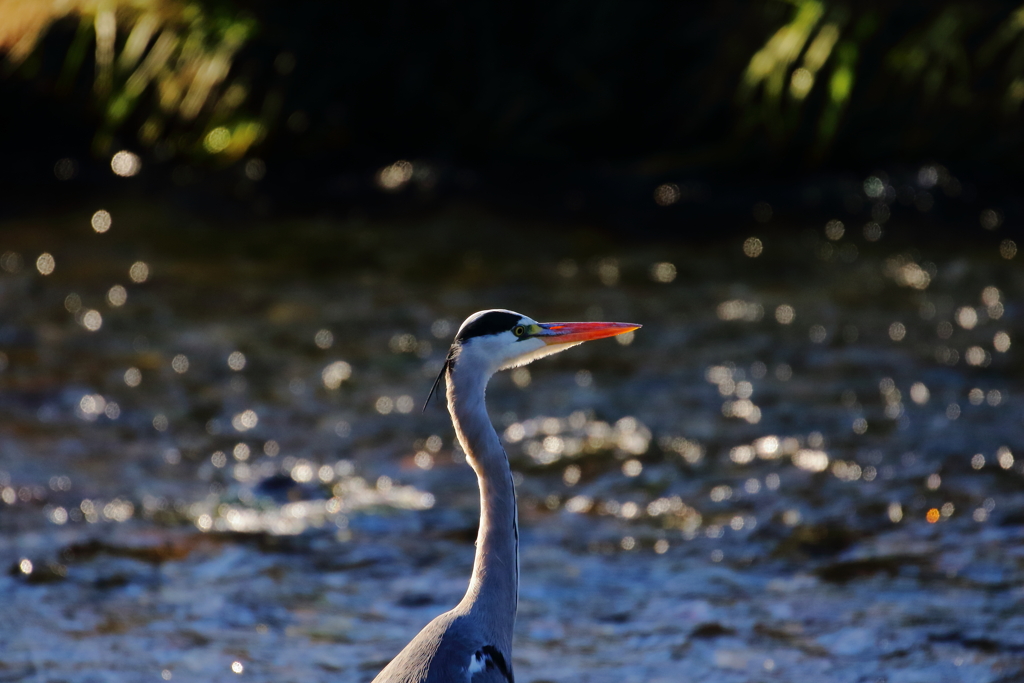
<point x="519" y="331"/>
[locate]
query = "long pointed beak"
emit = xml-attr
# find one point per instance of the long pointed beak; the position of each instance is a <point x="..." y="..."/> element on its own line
<point x="574" y="333"/>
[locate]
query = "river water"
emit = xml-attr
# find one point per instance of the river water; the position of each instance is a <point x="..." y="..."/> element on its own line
<point x="807" y="464"/>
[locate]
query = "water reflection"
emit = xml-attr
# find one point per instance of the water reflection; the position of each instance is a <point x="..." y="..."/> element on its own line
<point x="822" y="425"/>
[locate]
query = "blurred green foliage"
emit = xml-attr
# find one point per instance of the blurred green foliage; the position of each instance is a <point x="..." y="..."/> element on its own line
<point x="170" y="61"/>
<point x="959" y="59"/>
<point x="811" y="81"/>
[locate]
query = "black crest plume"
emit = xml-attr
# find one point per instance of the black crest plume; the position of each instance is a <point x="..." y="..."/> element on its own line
<point x="492" y="322"/>
<point x="444" y="368"/>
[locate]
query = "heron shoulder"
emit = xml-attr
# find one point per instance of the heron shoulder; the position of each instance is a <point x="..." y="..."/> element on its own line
<point x="489" y="665"/>
<point x="449" y="649"/>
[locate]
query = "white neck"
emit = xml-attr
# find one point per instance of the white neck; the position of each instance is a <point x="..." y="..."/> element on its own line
<point x="494" y="585"/>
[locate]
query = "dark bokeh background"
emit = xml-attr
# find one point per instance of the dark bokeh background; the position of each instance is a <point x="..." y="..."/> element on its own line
<point x="573" y="111"/>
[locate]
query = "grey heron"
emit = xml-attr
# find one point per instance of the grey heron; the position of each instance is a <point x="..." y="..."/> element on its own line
<point x="472" y="643"/>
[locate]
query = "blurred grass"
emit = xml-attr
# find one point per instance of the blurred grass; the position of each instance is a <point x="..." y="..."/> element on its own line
<point x="169" y="60"/>
<point x="955" y="60"/>
<point x="812" y="81"/>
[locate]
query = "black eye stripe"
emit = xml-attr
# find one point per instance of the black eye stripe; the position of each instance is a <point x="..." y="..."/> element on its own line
<point x="492" y="322"/>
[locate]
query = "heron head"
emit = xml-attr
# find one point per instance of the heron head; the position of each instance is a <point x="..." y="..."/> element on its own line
<point x="497" y="339"/>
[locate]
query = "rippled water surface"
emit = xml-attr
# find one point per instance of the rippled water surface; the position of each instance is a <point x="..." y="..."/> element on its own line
<point x="213" y="465"/>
